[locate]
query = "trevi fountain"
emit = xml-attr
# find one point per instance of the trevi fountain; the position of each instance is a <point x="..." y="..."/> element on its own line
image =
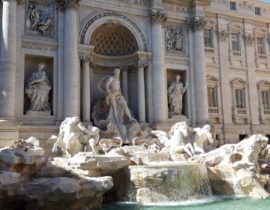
<point x="134" y="105"/>
<point x="117" y="159"/>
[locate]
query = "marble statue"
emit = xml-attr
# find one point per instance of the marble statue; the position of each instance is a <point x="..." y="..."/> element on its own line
<point x="38" y="21"/>
<point x="177" y="141"/>
<point x="112" y="114"/>
<point x="201" y="136"/>
<point x="37" y="89"/>
<point x="74" y="137"/>
<point x="175" y="93"/>
<point x="185" y="139"/>
<point x="115" y="99"/>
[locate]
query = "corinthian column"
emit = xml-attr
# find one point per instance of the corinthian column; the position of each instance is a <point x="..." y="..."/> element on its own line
<point x="86" y="97"/>
<point x="125" y="83"/>
<point x="141" y="90"/>
<point x="196" y="24"/>
<point x="160" y="107"/>
<point x="8" y="60"/>
<point x="71" y="61"/>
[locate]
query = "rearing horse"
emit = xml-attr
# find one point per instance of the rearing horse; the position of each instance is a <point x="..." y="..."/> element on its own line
<point x="179" y="141"/>
<point x="201" y="135"/>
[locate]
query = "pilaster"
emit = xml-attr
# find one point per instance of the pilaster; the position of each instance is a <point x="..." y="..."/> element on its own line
<point x="8" y="60"/>
<point x="71" y="61"/>
<point x="159" y="77"/>
<point x="196" y="25"/>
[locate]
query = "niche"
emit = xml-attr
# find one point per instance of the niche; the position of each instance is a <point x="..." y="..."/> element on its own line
<point x="38" y="86"/>
<point x="171" y="77"/>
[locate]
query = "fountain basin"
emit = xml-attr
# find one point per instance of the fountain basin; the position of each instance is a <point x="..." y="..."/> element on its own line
<point x="168" y="182"/>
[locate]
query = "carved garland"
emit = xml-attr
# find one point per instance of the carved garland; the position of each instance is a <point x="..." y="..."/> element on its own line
<point x="196" y="23"/>
<point x="158" y="15"/>
<point x="113" y="14"/>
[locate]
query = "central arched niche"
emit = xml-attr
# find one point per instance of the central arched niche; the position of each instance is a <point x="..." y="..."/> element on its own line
<point x="115" y="46"/>
<point x="111" y="39"/>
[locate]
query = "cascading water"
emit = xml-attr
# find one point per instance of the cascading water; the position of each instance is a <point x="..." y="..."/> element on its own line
<point x="168" y="182"/>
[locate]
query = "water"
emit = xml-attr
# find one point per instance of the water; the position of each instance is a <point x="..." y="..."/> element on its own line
<point x="168" y="183"/>
<point x="209" y="204"/>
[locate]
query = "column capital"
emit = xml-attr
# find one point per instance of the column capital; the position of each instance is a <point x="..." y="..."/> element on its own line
<point x="157" y="15"/>
<point x="196" y="23"/>
<point x="73" y="4"/>
<point x="85" y="58"/>
<point x="85" y="53"/>
<point x="124" y="68"/>
<point x="142" y="63"/>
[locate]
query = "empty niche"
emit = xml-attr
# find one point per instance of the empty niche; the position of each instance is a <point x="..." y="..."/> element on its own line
<point x="38" y="86"/>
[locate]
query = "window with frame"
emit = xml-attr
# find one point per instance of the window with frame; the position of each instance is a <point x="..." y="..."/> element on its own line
<point x="212" y="97"/>
<point x="208" y="38"/>
<point x="240" y="98"/>
<point x="265" y="99"/>
<point x="258" y="11"/>
<point x="235" y="40"/>
<point x="260" y="45"/>
<point x="233" y="5"/>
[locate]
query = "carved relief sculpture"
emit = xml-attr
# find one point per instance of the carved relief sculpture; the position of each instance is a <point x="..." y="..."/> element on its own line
<point x="174" y="39"/>
<point x="39" y="19"/>
<point x="175" y="93"/>
<point x="37" y="89"/>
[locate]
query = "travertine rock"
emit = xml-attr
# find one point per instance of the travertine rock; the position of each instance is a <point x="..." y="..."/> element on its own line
<point x="65" y="193"/>
<point x="234" y="168"/>
<point x="89" y="164"/>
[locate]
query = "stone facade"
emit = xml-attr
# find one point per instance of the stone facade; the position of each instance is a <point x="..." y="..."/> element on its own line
<point x="221" y="53"/>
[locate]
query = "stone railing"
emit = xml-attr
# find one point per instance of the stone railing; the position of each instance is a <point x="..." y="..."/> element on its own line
<point x="213" y="110"/>
<point x="262" y="56"/>
<point x="241" y="111"/>
<point x="236" y="53"/>
<point x="266" y="112"/>
<point x="209" y="50"/>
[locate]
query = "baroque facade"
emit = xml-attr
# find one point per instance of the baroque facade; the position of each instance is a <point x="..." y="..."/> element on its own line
<point x="220" y="49"/>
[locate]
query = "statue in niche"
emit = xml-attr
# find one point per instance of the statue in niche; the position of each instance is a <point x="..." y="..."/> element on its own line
<point x="174" y="39"/>
<point x="112" y="114"/>
<point x="38" y="21"/>
<point x="37" y="89"/>
<point x="175" y="93"/>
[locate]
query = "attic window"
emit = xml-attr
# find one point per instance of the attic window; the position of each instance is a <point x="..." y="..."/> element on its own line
<point x="233" y="5"/>
<point x="258" y="11"/>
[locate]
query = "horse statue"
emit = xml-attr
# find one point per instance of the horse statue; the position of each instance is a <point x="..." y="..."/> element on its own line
<point x="74" y="137"/>
<point x="201" y="136"/>
<point x="177" y="141"/>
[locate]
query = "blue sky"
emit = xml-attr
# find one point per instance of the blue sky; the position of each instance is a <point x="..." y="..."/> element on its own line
<point x="268" y="1"/>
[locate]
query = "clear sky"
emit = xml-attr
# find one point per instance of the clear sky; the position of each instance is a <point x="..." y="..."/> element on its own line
<point x="268" y="1"/>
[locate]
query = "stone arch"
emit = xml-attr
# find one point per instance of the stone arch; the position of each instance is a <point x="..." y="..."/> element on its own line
<point x="91" y="23"/>
<point x="111" y="39"/>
